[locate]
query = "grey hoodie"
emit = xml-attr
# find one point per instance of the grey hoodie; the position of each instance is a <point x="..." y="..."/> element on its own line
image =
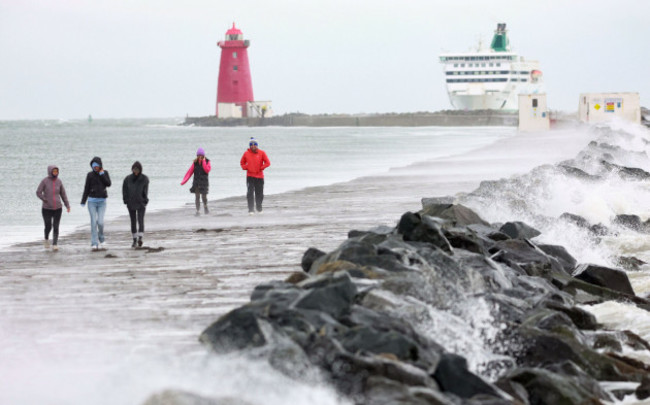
<point x="51" y="191"/>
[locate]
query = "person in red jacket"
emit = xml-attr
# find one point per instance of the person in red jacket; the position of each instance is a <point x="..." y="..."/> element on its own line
<point x="254" y="162"/>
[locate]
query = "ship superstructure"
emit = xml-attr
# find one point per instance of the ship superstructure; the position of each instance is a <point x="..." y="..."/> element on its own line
<point x="490" y="79"/>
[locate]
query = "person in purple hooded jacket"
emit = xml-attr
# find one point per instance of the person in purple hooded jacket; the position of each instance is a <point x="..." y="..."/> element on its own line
<point x="51" y="192"/>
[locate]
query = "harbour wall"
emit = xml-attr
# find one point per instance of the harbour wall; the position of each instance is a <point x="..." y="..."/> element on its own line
<point x="420" y="119"/>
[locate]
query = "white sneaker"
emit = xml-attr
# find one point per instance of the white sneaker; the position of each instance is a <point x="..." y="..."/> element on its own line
<point x="46" y="244"/>
<point x="251" y="213"/>
<point x="55" y="248"/>
<point x="95" y="247"/>
<point x="259" y="212"/>
<point x="102" y="245"/>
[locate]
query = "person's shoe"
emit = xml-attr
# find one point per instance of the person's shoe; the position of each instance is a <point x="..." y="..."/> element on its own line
<point x="251" y="212"/>
<point x="206" y="210"/>
<point x="102" y="245"/>
<point x="135" y="242"/>
<point x="46" y="244"/>
<point x="140" y="241"/>
<point x="95" y="247"/>
<point x="55" y="248"/>
<point x="197" y="213"/>
<point x="260" y="212"/>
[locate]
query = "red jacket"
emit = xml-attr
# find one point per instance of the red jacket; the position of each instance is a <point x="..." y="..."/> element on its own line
<point x="255" y="163"/>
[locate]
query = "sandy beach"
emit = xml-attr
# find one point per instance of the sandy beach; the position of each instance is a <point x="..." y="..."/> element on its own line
<point x="63" y="307"/>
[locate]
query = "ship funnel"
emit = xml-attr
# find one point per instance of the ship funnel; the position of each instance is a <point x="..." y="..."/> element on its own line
<point x="500" y="39"/>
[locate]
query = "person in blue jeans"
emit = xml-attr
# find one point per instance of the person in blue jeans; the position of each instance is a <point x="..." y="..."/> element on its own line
<point x="95" y="193"/>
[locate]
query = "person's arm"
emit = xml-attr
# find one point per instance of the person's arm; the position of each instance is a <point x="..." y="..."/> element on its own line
<point x="39" y="191"/>
<point x="145" y="191"/>
<point x="189" y="174"/>
<point x="105" y="178"/>
<point x="244" y="162"/>
<point x="265" y="162"/>
<point x="64" y="197"/>
<point x="125" y="190"/>
<point x="84" y="197"/>
<point x="206" y="165"/>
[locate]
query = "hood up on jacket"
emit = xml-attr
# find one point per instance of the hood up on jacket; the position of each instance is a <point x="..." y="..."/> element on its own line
<point x="50" y="169"/>
<point x="138" y="165"/>
<point x="97" y="160"/>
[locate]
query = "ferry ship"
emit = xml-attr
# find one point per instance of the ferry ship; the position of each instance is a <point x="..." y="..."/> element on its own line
<point x="490" y="79"/>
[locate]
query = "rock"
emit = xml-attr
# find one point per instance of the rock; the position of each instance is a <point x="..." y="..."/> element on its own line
<point x="582" y="319"/>
<point x="627" y="173"/>
<point x="519" y="230"/>
<point x="577" y="173"/>
<point x="456" y="214"/>
<point x="630" y="263"/>
<point x="521" y="254"/>
<point x="546" y="387"/>
<point x="296" y="277"/>
<point x="643" y="390"/>
<point x="368" y="339"/>
<point x="560" y="253"/>
<point x="332" y="294"/>
<point x="629" y="221"/>
<point x="418" y="228"/>
<point x="575" y="219"/>
<point x="613" y="279"/>
<point x="448" y="200"/>
<point x="309" y="257"/>
<point x="238" y="329"/>
<point x="453" y="376"/>
<point x="383" y="391"/>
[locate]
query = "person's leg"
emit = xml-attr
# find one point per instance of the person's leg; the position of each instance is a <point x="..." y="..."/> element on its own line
<point x="101" y="210"/>
<point x="141" y="212"/>
<point x="205" y="203"/>
<point x="47" y="219"/>
<point x="134" y="230"/>
<point x="92" y="209"/>
<point x="197" y="201"/>
<point x="250" y="186"/>
<point x="259" y="194"/>
<point x="57" y="220"/>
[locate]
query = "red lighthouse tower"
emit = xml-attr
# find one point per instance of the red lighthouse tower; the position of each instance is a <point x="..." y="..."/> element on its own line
<point x="235" y="85"/>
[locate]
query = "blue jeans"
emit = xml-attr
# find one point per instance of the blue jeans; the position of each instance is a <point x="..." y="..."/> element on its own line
<point x="97" y="210"/>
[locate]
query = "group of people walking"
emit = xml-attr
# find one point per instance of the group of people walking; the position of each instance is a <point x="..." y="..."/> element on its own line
<point x="135" y="191"/>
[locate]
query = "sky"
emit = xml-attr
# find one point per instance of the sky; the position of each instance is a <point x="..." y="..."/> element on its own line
<point x="67" y="59"/>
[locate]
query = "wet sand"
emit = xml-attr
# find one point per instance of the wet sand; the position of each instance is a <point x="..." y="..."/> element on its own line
<point x="67" y="305"/>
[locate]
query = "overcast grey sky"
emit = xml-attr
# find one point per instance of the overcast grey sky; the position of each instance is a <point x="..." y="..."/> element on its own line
<point x="146" y="58"/>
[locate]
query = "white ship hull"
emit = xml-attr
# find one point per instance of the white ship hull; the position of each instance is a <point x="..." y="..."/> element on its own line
<point x="489" y="101"/>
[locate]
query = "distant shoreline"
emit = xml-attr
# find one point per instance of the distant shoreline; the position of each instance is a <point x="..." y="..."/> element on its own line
<point x="449" y="118"/>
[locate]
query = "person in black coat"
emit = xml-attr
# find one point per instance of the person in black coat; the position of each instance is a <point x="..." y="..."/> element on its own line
<point x="95" y="193"/>
<point x="135" y="191"/>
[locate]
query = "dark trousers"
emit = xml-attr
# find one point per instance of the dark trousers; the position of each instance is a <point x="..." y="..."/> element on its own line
<point x="255" y="194"/>
<point x="137" y="215"/>
<point x="52" y="219"/>
<point x="197" y="200"/>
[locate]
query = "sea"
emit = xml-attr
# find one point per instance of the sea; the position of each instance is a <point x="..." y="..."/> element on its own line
<point x="307" y="157"/>
<point x="300" y="157"/>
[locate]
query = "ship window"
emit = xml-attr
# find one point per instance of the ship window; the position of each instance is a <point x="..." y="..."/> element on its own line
<point x="513" y="80"/>
<point x="491" y="64"/>
<point x="482" y="64"/>
<point x="498" y="64"/>
<point x="534" y="103"/>
<point x="234" y="55"/>
<point x="234" y="67"/>
<point x="462" y="65"/>
<point x="455" y="64"/>
<point x="524" y="80"/>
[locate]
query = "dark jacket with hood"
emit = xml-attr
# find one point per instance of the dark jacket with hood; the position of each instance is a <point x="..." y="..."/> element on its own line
<point x="96" y="183"/>
<point x="135" y="189"/>
<point x="51" y="191"/>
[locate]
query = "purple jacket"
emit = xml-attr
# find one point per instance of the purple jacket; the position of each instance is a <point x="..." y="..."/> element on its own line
<point x="51" y="191"/>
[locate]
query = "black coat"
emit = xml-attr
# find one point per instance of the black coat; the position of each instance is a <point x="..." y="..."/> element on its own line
<point x="200" y="182"/>
<point x="96" y="183"/>
<point x="135" y="190"/>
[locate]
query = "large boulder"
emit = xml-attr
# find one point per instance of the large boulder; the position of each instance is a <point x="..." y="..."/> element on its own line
<point x="614" y="279"/>
<point x="453" y="376"/>
<point x="417" y="228"/>
<point x="519" y="230"/>
<point x="456" y="214"/>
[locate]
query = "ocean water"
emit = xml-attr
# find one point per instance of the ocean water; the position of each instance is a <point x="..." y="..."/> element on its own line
<point x="300" y="157"/>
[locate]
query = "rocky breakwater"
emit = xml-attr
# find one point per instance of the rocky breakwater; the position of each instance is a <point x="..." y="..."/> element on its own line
<point x="444" y="308"/>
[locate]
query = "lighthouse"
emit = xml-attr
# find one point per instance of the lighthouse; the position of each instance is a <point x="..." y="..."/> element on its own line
<point x="235" y="88"/>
